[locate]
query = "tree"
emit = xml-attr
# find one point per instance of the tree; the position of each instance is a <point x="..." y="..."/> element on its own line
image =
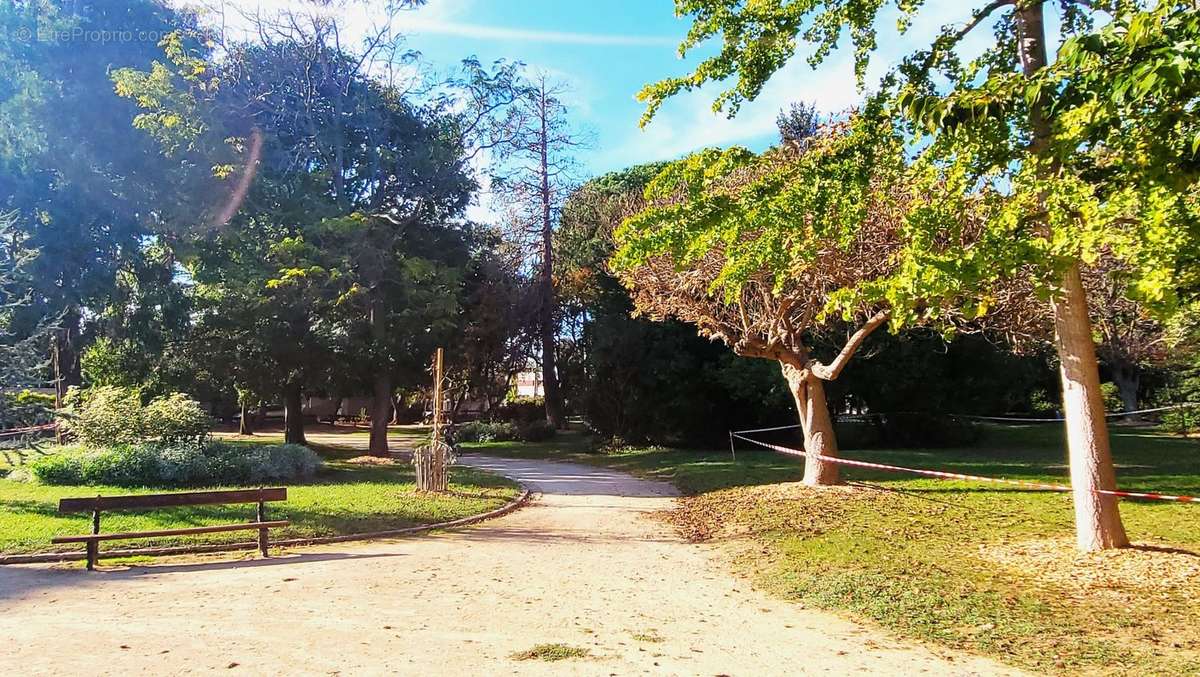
<point x="401" y="287"/>
<point x="798" y="123"/>
<point x="81" y="179"/>
<point x="1129" y="340"/>
<point x="1065" y="158"/>
<point x="535" y="177"/>
<point x="762" y="253"/>
<point x="497" y="320"/>
<point x="22" y="361"/>
<point x="356" y="191"/>
<point x="635" y="380"/>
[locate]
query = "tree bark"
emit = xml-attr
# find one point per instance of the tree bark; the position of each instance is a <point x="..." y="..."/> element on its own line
<point x="382" y="383"/>
<point x="553" y="398"/>
<point x="381" y="413"/>
<point x="244" y="425"/>
<point x="397" y="402"/>
<point x="65" y="354"/>
<point x="819" y="437"/>
<point x="293" y="414"/>
<point x="1097" y="517"/>
<point x="1128" y="381"/>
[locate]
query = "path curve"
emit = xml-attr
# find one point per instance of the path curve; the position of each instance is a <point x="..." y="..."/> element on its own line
<point x="583" y="565"/>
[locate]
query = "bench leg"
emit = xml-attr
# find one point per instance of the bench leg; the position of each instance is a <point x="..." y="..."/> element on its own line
<point x="262" y="533"/>
<point x="93" y="547"/>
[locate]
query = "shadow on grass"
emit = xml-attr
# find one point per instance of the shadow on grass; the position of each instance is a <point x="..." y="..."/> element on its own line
<point x="1164" y="548"/>
<point x="344" y="499"/>
<point x="16" y="458"/>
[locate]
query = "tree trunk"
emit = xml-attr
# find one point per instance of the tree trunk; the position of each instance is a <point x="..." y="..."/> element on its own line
<point x="554" y="414"/>
<point x="1128" y="380"/>
<point x="382" y="382"/>
<point x="554" y="406"/>
<point x="381" y="413"/>
<point x="397" y="402"/>
<point x="1097" y="517"/>
<point x="65" y="354"/>
<point x="819" y="436"/>
<point x="244" y="425"/>
<point x="293" y="414"/>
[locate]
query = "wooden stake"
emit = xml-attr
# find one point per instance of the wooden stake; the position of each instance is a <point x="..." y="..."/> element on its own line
<point x="431" y="462"/>
<point x="437" y="395"/>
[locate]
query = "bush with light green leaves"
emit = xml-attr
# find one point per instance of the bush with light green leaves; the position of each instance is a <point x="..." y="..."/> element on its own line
<point x="110" y="415"/>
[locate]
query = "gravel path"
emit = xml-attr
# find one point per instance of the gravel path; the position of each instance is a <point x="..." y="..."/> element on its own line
<point x="582" y="565"/>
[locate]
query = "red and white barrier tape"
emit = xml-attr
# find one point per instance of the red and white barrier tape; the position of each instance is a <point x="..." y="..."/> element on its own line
<point x="960" y="476"/>
<point x="29" y="429"/>
<point x="970" y="417"/>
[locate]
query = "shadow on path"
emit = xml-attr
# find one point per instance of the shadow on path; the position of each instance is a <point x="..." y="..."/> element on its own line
<point x="570" y="479"/>
<point x="23" y="580"/>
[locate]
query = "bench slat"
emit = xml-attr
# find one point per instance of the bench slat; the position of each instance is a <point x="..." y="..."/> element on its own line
<point x="170" y="532"/>
<point x="69" y="505"/>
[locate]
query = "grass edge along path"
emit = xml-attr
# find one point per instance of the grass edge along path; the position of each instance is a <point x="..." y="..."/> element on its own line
<point x="345" y="498"/>
<point x="964" y="565"/>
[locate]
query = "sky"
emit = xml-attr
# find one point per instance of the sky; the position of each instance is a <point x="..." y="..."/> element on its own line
<point x="605" y="51"/>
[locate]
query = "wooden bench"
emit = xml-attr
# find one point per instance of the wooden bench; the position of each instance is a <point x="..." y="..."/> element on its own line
<point x="146" y="501"/>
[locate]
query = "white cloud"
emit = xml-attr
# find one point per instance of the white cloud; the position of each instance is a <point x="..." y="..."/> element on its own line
<point x="357" y="19"/>
<point x="686" y="123"/>
<point x="423" y="23"/>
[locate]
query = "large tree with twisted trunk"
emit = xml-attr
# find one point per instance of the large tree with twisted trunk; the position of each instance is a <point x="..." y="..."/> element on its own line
<point x="1068" y="147"/>
<point x="768" y="252"/>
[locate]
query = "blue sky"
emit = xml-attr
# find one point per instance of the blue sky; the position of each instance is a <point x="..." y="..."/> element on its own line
<point x="606" y="50"/>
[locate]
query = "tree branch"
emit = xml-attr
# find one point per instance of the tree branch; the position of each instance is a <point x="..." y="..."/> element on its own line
<point x="951" y="40"/>
<point x="830" y="372"/>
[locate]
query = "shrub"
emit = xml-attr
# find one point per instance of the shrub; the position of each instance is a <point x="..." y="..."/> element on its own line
<point x="25" y="408"/>
<point x="906" y="430"/>
<point x="176" y="418"/>
<point x="611" y="445"/>
<point x="109" y="415"/>
<point x="485" y="431"/>
<point x="409" y="413"/>
<point x="1041" y="403"/>
<point x="1184" y="421"/>
<point x="537" y="431"/>
<point x="178" y="465"/>
<point x="104" y="416"/>
<point x="57" y="469"/>
<point x="191" y="464"/>
<point x="504" y="431"/>
<point x="855" y="434"/>
<point x="521" y="410"/>
<point x="278" y="462"/>
<point x="1112" y="398"/>
<point x="925" y="430"/>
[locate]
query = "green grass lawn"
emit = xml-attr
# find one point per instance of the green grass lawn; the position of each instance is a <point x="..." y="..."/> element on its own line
<point x="968" y="565"/>
<point x="345" y="498"/>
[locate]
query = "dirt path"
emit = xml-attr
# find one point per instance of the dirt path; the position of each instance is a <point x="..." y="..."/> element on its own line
<point x="583" y="565"/>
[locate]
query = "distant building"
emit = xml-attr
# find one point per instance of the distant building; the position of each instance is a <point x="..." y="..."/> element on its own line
<point x="529" y="383"/>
